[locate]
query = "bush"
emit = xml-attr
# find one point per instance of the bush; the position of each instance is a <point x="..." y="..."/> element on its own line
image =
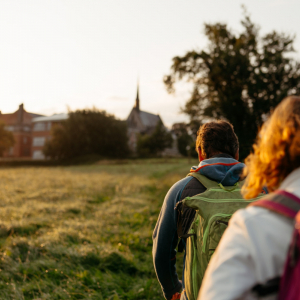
<point x="88" y="132"/>
<point x="153" y="144"/>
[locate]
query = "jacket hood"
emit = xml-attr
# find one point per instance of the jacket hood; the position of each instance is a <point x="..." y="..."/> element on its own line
<point x="220" y="169"/>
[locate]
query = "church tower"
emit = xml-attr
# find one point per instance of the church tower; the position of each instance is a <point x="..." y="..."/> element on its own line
<point x="140" y="122"/>
<point x="137" y="100"/>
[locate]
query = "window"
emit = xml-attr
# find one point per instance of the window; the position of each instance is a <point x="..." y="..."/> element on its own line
<point x="26" y="128"/>
<point x="24" y="140"/>
<point x="49" y="126"/>
<point x="9" y="128"/>
<point x="38" y="154"/>
<point x="39" y="126"/>
<point x="39" y="141"/>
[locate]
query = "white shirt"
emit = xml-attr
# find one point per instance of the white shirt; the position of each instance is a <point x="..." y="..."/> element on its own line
<point x="252" y="250"/>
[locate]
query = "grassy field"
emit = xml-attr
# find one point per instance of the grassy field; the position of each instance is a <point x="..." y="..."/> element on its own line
<point x="82" y="232"/>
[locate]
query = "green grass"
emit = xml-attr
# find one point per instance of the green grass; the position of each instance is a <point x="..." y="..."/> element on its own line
<point x="82" y="232"/>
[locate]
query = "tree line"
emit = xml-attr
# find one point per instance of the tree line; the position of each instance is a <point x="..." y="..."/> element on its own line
<point x="95" y="132"/>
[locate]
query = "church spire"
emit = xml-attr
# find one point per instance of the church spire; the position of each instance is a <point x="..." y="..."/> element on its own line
<point x="137" y="100"/>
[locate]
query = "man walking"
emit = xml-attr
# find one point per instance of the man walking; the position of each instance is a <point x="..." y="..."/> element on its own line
<point x="217" y="146"/>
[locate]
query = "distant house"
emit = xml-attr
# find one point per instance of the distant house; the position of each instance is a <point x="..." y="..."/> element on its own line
<point x="19" y="123"/>
<point x="41" y="132"/>
<point x="140" y="122"/>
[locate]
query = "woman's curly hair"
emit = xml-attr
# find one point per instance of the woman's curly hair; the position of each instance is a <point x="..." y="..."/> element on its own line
<point x="276" y="151"/>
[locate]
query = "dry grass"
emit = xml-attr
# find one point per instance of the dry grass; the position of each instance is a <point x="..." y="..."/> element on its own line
<point x="82" y="232"/>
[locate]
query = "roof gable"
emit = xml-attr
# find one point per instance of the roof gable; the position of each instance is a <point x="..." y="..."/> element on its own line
<point x="148" y="119"/>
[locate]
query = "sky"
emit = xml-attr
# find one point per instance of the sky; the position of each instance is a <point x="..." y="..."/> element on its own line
<point x="60" y="55"/>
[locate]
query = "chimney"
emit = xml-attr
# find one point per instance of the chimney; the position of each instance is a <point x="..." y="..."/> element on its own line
<point x="20" y="113"/>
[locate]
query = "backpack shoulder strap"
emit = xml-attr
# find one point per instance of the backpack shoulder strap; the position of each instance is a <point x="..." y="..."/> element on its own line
<point x="208" y="183"/>
<point x="281" y="202"/>
<point x="204" y="180"/>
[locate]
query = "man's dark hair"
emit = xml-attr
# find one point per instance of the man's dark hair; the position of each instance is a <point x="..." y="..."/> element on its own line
<point x="217" y="137"/>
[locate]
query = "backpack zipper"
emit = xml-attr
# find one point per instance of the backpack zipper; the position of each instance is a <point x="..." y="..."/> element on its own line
<point x="193" y="234"/>
<point x="221" y="200"/>
<point x="222" y="222"/>
<point x="221" y="190"/>
<point x="194" y="264"/>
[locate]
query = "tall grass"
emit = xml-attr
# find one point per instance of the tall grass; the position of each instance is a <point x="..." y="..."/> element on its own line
<point x="82" y="232"/>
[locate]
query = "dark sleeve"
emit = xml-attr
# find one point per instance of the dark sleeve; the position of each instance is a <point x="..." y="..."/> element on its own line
<point x="165" y="241"/>
<point x="192" y="188"/>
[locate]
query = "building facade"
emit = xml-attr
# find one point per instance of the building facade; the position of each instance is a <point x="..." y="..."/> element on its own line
<point x="19" y="123"/>
<point x="41" y="132"/>
<point x="30" y="131"/>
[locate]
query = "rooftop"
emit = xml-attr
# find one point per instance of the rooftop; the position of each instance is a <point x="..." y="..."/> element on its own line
<point x="55" y="117"/>
<point x="148" y="119"/>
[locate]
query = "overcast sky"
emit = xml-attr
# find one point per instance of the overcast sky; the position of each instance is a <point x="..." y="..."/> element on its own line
<point x="78" y="54"/>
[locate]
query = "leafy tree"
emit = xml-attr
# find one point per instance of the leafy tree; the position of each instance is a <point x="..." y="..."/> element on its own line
<point x="6" y="139"/>
<point x="180" y="129"/>
<point x="155" y="143"/>
<point x="185" y="144"/>
<point x="238" y="77"/>
<point x="184" y="139"/>
<point x="88" y="132"/>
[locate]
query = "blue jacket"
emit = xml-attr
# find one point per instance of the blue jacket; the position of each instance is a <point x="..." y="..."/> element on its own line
<point x="221" y="168"/>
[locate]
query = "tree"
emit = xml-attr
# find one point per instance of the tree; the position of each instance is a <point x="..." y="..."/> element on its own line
<point x="88" y="132"/>
<point x="153" y="144"/>
<point x="184" y="139"/>
<point x="6" y="139"/>
<point x="239" y="77"/>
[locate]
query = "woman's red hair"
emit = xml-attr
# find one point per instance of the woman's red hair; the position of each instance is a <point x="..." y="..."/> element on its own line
<point x="276" y="151"/>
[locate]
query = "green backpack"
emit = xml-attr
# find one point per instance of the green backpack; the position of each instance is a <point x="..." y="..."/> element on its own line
<point x="214" y="208"/>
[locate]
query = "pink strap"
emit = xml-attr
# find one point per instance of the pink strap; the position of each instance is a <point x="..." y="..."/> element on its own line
<point x="287" y="194"/>
<point x="278" y="202"/>
<point x="277" y="207"/>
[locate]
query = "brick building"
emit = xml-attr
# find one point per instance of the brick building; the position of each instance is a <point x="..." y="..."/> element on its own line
<point x="41" y="132"/>
<point x="19" y="123"/>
